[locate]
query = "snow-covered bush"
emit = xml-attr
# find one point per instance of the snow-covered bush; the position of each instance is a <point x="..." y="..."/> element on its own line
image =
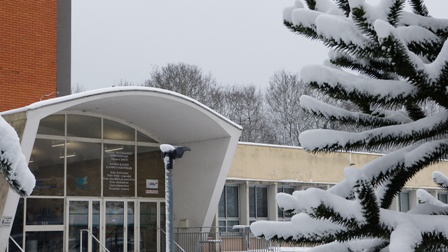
<point x="389" y="59"/>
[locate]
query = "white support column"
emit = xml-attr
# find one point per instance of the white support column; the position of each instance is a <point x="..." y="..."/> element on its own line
<point x="244" y="203"/>
<point x="9" y="200"/>
<point x="272" y="202"/>
<point x="394" y="205"/>
<point x="413" y="200"/>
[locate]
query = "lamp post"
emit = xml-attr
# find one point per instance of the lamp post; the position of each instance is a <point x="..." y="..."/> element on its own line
<point x="169" y="154"/>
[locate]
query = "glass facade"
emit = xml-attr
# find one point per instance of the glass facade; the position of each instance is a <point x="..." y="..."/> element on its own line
<point x="80" y="155"/>
<point x="90" y="172"/>
<point x="228" y="208"/>
<point x="443" y="197"/>
<point x="258" y="202"/>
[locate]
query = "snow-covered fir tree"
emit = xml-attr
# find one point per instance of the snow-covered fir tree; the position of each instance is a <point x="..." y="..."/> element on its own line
<point x="388" y="58"/>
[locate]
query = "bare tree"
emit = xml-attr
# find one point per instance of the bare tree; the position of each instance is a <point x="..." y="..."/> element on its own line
<point x="125" y="83"/>
<point x="283" y="106"/>
<point x="78" y="88"/>
<point x="188" y="80"/>
<point x="244" y="105"/>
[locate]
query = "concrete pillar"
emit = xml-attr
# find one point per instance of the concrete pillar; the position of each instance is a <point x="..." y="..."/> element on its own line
<point x="413" y="200"/>
<point x="272" y="202"/>
<point x="244" y="203"/>
<point x="9" y="200"/>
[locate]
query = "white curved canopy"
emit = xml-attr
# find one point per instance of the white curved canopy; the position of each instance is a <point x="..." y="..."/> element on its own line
<point x="167" y="117"/>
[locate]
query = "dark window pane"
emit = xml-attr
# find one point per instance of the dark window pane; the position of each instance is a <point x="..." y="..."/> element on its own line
<point x="114" y="225"/>
<point x="222" y="204"/>
<point x="144" y="138"/>
<point x="130" y="227"/>
<point x="83" y="169"/>
<point x="230" y="225"/>
<point x="117" y="131"/>
<point x="232" y="201"/>
<point x="119" y="170"/>
<point x="222" y="226"/>
<point x="262" y="202"/>
<point x="252" y="203"/>
<point x="443" y="198"/>
<point x="44" y="211"/>
<point x="288" y="190"/>
<point x="150" y="172"/>
<point x="96" y="224"/>
<point x="44" y="241"/>
<point x="148" y="226"/>
<point x="83" y="126"/>
<point x="52" y="125"/>
<point x="78" y="219"/>
<point x="47" y="165"/>
<point x="17" y="229"/>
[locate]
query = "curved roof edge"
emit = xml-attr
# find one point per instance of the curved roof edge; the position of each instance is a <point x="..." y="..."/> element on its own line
<point x="98" y="92"/>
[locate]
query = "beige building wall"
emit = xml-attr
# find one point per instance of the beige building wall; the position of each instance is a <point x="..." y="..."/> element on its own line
<point x="280" y="167"/>
<point x="293" y="164"/>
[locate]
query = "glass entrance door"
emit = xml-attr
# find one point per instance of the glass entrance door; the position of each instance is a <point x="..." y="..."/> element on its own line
<point x="152" y="221"/>
<point x="83" y="223"/>
<point x="119" y="225"/>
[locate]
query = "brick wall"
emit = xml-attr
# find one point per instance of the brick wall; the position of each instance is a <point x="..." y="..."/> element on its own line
<point x="28" y="30"/>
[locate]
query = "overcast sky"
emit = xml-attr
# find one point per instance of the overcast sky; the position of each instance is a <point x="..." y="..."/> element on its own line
<point x="237" y="41"/>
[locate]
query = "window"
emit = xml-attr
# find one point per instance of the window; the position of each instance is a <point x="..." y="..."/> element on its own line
<point x="150" y="179"/>
<point x="45" y="211"/>
<point x="281" y="214"/>
<point x="17" y="228"/>
<point x="443" y="197"/>
<point x="83" y="169"/>
<point x="229" y="208"/>
<point x="258" y="202"/>
<point x="87" y="155"/>
<point x="403" y="201"/>
<point x="48" y="167"/>
<point x="119" y="170"/>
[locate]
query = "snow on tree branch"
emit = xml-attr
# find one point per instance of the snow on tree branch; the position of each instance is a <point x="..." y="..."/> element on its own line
<point x="12" y="161"/>
<point x="389" y="63"/>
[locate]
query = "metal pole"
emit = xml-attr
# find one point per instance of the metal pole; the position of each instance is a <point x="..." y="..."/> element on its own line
<point x="80" y="240"/>
<point x="169" y="206"/>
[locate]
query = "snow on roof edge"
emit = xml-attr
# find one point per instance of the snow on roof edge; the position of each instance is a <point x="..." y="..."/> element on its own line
<point x="301" y="148"/>
<point x="100" y="91"/>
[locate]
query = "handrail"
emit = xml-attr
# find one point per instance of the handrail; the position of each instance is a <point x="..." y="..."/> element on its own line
<point x="80" y="242"/>
<point x="14" y="241"/>
<point x="175" y="243"/>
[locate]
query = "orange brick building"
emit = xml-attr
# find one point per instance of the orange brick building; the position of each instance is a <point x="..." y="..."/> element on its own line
<point x="35" y="52"/>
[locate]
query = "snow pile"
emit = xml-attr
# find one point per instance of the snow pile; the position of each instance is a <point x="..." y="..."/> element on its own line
<point x="12" y="161"/>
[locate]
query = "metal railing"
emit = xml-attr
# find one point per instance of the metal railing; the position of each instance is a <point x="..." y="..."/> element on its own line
<point x="220" y="239"/>
<point x="88" y="232"/>
<point x="15" y="243"/>
<point x="175" y="243"/>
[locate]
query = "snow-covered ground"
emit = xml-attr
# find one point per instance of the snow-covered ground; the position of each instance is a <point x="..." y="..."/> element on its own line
<point x="287" y="249"/>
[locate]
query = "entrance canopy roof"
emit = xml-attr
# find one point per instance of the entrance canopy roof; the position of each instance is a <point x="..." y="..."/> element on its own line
<point x="167" y="117"/>
<point x="170" y="117"/>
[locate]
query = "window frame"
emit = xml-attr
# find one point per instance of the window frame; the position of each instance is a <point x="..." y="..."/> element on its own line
<point x="235" y="220"/>
<point x="257" y="215"/>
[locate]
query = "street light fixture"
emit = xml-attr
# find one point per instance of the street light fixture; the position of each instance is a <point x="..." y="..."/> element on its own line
<point x="169" y="154"/>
